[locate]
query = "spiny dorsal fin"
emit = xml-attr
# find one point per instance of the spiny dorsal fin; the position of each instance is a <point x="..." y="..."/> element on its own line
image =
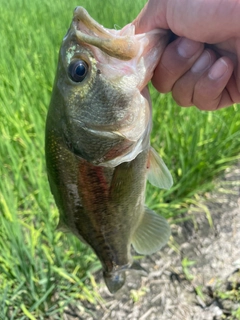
<point x="152" y="234"/>
<point x="158" y="173"/>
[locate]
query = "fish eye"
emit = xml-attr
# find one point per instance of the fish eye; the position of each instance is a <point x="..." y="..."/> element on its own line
<point x="77" y="70"/>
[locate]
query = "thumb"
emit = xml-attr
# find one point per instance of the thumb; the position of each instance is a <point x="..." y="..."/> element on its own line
<point x="152" y="16"/>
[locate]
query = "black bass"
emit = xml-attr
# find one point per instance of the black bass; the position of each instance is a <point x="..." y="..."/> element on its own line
<point x="98" y="150"/>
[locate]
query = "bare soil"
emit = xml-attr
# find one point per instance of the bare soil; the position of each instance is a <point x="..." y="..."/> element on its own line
<point x="185" y="278"/>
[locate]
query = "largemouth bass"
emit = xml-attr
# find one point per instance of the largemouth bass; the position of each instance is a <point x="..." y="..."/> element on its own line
<point x="98" y="150"/>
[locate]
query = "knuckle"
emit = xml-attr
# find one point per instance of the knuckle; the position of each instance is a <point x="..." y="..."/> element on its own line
<point x="182" y="96"/>
<point x="206" y="105"/>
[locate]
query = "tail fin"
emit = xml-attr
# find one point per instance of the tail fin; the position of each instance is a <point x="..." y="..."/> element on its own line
<point x="136" y="266"/>
<point x="114" y="280"/>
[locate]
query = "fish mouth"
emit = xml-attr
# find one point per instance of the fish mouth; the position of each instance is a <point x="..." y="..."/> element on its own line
<point x="90" y="32"/>
<point x="102" y="131"/>
<point x="117" y="148"/>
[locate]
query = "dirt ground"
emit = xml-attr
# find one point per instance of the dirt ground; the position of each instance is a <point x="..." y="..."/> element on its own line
<point x="185" y="278"/>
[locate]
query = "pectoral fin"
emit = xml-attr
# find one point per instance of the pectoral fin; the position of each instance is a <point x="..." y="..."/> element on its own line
<point x="152" y="234"/>
<point x="158" y="173"/>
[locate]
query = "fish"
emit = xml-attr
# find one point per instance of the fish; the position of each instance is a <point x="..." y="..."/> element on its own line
<point x="97" y="143"/>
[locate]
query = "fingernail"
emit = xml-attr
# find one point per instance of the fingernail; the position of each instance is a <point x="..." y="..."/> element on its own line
<point x="202" y="63"/>
<point x="187" y="48"/>
<point x="218" y="69"/>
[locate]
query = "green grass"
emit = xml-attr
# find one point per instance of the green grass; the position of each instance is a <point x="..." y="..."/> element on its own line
<point x="42" y="271"/>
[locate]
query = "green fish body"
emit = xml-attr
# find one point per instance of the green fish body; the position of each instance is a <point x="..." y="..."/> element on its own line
<point x="98" y="152"/>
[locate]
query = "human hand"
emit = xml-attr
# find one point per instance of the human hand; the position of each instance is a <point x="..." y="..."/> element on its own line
<point x="202" y="66"/>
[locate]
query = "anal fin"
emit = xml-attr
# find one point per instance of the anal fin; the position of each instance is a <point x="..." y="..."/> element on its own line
<point x="152" y="233"/>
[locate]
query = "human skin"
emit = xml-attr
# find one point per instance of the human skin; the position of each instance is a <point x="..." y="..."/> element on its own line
<point x="201" y="66"/>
